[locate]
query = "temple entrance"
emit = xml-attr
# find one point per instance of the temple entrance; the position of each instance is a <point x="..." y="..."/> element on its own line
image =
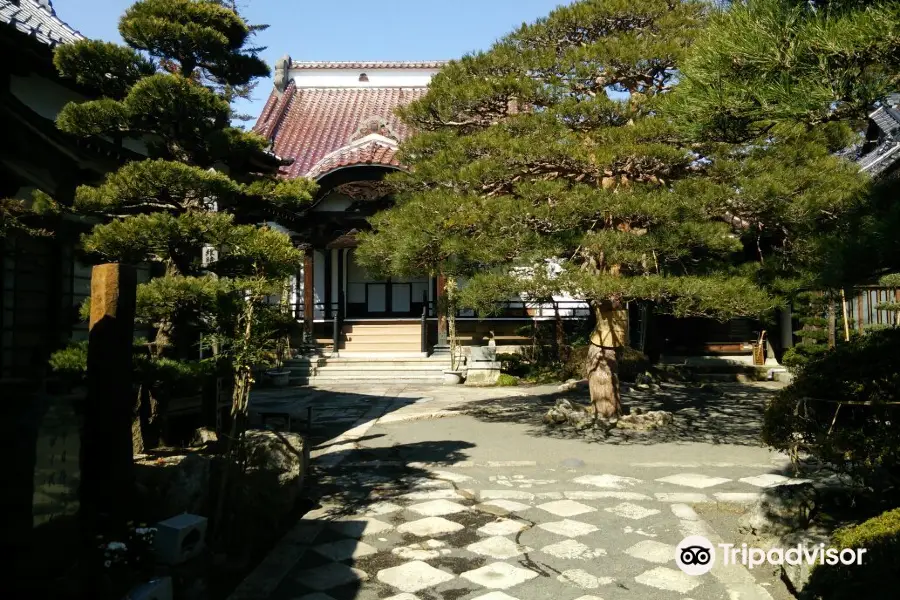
<point x="369" y="297"/>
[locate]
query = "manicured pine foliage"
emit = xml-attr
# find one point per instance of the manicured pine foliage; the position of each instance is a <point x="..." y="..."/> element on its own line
<point x="204" y="184"/>
<point x="788" y="77"/>
<point x="557" y="143"/>
<point x="34" y="217"/>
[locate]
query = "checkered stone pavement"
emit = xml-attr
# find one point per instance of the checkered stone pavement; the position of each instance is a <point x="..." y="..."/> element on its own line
<point x="470" y="533"/>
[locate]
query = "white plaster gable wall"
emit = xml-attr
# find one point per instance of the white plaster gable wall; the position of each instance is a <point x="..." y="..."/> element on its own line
<point x="333" y="203"/>
<point x="43" y="96"/>
<point x="47" y="98"/>
<point x="349" y="78"/>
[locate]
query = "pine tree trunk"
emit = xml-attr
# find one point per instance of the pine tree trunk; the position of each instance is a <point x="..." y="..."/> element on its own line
<point x="137" y="435"/>
<point x="603" y="382"/>
<point x="602" y="368"/>
<point x="146" y="422"/>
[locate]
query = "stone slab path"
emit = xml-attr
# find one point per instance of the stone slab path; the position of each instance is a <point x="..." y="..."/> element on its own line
<point x="469" y="508"/>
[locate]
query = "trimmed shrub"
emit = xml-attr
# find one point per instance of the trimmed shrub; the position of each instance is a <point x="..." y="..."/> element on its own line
<point x="879" y="574"/>
<point x="862" y="438"/>
<point x="507" y="380"/>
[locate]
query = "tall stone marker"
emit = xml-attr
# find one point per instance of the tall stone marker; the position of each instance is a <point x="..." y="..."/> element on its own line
<point x="107" y="464"/>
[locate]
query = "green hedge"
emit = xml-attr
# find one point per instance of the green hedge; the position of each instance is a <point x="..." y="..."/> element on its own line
<point x="506" y="380"/>
<point x="879" y="574"/>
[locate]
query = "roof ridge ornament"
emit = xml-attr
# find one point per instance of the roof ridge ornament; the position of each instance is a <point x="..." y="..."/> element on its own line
<point x="375" y="124"/>
<point x="282" y="73"/>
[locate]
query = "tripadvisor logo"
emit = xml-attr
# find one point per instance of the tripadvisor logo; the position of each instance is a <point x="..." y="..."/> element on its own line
<point x="696" y="555"/>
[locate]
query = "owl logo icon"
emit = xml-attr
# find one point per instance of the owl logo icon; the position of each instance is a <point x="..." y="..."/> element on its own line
<point x="695" y="555"/>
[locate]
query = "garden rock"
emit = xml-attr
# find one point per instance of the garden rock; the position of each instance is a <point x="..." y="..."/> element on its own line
<point x="173" y="485"/>
<point x="571" y="384"/>
<point x="780" y="510"/>
<point x="567" y="412"/>
<point x="645" y="421"/>
<point x="205" y="437"/>
<point x="797" y="576"/>
<point x="277" y="464"/>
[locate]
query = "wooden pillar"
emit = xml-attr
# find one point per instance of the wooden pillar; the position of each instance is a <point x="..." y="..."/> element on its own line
<point x="859" y="310"/>
<point x="440" y="310"/>
<point x="327" y="296"/>
<point x="787" y="327"/>
<point x="897" y="300"/>
<point x="308" y="294"/>
<point x="341" y="288"/>
<point x="106" y="460"/>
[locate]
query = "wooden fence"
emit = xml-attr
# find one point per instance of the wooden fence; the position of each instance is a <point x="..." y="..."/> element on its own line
<point x="863" y="306"/>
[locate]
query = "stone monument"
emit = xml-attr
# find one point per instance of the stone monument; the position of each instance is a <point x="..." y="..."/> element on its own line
<point x="483" y="368"/>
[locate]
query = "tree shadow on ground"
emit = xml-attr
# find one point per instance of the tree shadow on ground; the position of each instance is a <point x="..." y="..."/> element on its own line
<point x="367" y="475"/>
<point x="333" y="411"/>
<point x="355" y="498"/>
<point x="726" y="413"/>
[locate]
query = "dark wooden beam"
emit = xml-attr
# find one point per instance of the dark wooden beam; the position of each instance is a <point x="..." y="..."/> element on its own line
<point x="308" y="292"/>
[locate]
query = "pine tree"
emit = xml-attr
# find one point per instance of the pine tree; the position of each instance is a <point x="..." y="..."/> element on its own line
<point x="557" y="144"/>
<point x="205" y="184"/>
<point x="785" y="75"/>
<point x="548" y="146"/>
<point x="31" y="217"/>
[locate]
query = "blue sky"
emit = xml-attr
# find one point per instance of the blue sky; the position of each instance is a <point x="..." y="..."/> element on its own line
<point x="347" y="29"/>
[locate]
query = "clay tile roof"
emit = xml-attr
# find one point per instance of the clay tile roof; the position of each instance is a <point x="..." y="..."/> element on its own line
<point x="309" y="124"/>
<point x="425" y="64"/>
<point x="37" y="19"/>
<point x="368" y="151"/>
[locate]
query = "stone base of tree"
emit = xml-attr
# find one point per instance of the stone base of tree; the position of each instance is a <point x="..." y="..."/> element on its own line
<point x="581" y="416"/>
<point x="645" y="421"/>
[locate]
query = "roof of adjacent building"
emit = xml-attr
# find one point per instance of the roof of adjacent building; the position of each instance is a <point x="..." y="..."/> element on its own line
<point x="403" y="64"/>
<point x="882" y="150"/>
<point x="320" y="127"/>
<point x="38" y="19"/>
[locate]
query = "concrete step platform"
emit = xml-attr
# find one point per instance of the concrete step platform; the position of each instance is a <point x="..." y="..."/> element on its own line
<point x="311" y="370"/>
<point x="364" y="377"/>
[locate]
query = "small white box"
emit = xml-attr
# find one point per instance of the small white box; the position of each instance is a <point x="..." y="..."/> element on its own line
<point x="155" y="589"/>
<point x="179" y="538"/>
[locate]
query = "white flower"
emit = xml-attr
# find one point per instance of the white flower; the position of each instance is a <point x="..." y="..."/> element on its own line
<point x="145" y="530"/>
<point x="107" y="564"/>
<point x="117" y="546"/>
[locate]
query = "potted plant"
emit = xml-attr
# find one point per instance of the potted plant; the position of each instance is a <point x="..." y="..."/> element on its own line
<point x="278" y="375"/>
<point x="453" y="375"/>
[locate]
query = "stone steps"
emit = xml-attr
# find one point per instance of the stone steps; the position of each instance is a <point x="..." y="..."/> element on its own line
<point x="380" y="337"/>
<point x="361" y="369"/>
<point x="362" y="378"/>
